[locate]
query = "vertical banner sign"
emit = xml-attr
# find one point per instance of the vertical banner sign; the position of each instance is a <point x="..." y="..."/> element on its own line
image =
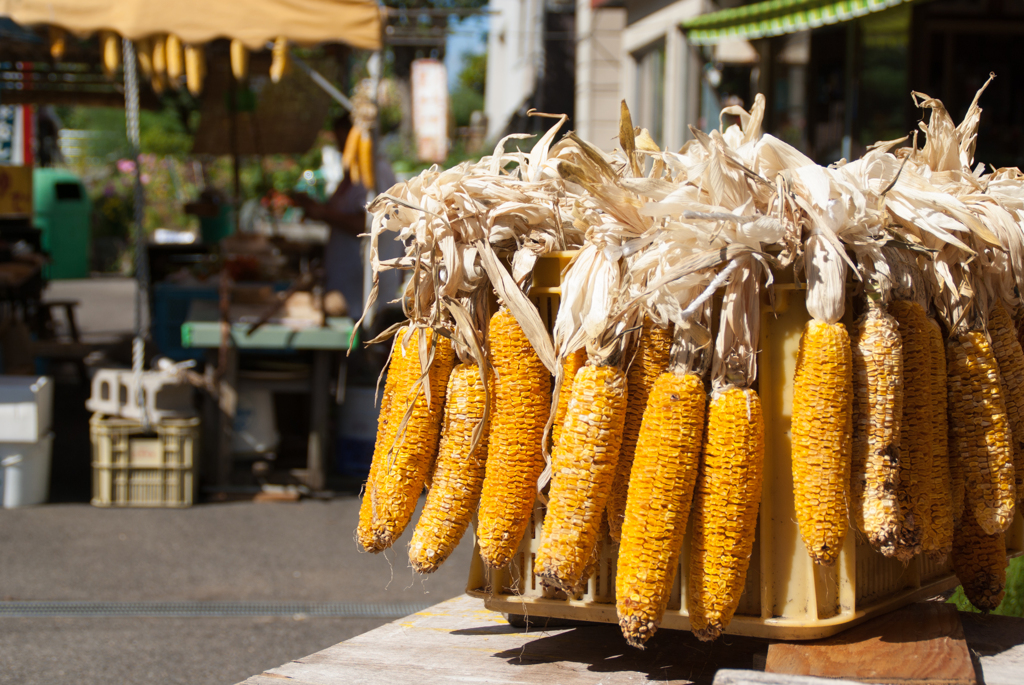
<point x="430" y="109"/>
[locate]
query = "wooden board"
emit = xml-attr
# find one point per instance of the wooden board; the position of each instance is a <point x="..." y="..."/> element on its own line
<point x="923" y="643"/>
<point x="460" y="641"/>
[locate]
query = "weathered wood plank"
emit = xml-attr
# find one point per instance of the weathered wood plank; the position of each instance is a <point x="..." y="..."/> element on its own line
<point x="999" y="643"/>
<point x="922" y="643"/>
<point x="729" y="676"/>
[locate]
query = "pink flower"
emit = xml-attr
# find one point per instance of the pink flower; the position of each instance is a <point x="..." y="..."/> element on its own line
<point x="125" y="166"/>
<point x="145" y="179"/>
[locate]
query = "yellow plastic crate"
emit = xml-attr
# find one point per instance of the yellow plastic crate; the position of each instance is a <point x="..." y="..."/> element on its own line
<point x="132" y="468"/>
<point x="787" y="596"/>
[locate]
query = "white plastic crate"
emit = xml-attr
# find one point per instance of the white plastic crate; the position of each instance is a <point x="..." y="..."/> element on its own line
<point x="132" y="468"/>
<point x="25" y="472"/>
<point x="114" y="393"/>
<point x="26" y="408"/>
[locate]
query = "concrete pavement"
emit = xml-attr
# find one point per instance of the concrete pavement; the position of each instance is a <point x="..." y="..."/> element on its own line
<point x="212" y="552"/>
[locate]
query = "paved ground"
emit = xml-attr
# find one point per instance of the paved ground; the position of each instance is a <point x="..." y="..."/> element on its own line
<point x="223" y="552"/>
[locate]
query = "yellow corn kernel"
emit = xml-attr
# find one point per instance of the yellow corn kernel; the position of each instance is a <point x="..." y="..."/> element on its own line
<point x="522" y="403"/>
<point x="582" y="469"/>
<point x="458" y="476"/>
<point x="1011" y="370"/>
<point x="725" y="509"/>
<point x="570" y="367"/>
<point x="938" y="531"/>
<point x="402" y="471"/>
<point x="980" y="431"/>
<point x="364" y="532"/>
<point x="916" y="428"/>
<point x="979" y="561"/>
<point x="821" y="427"/>
<point x="649" y="362"/>
<point x="877" y="408"/>
<point x="660" y="494"/>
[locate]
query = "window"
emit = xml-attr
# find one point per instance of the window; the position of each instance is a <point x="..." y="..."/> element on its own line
<point x="650" y="96"/>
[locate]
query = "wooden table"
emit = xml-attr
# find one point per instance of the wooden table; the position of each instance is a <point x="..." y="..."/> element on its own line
<point x="458" y="641"/>
<point x="203" y="330"/>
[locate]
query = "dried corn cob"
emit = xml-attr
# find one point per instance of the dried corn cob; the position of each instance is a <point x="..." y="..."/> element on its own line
<point x="650" y="361"/>
<point x="400" y="474"/>
<point x="915" y="479"/>
<point x="522" y="402"/>
<point x="570" y="367"/>
<point x="1011" y="370"/>
<point x="725" y="510"/>
<point x="582" y="468"/>
<point x="458" y="476"/>
<point x="980" y="430"/>
<point x="821" y="426"/>
<point x="938" y="531"/>
<point x="660" y="493"/>
<point x="979" y="561"/>
<point x="364" y="532"/>
<point x="877" y="408"/>
<point x="280" y="59"/>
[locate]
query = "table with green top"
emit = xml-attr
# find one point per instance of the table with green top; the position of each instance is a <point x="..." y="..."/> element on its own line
<point x="203" y="330"/>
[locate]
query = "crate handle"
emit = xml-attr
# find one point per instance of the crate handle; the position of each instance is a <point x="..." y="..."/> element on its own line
<point x="12" y="460"/>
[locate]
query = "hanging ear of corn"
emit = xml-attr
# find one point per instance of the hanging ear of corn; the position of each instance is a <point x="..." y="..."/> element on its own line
<point x="111" y="45"/>
<point x="821" y="426"/>
<point x="401" y="473"/>
<point x="649" y="362"/>
<point x="386" y="426"/>
<point x="725" y="510"/>
<point x="144" y="53"/>
<point x="980" y="431"/>
<point x="239" y="60"/>
<point x="570" y="367"/>
<point x="877" y="408"/>
<point x="175" y="59"/>
<point x="1010" y="358"/>
<point x="522" y="402"/>
<point x="195" y="68"/>
<point x="279" y="59"/>
<point x="979" y="561"/>
<point x="938" y="531"/>
<point x="915" y="469"/>
<point x="582" y="469"/>
<point x="351" y="149"/>
<point x="660" y="494"/>
<point x="366" y="159"/>
<point x="458" y="476"/>
<point x="58" y="42"/>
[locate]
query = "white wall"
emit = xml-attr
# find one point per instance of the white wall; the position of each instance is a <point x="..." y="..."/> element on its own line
<point x="599" y="61"/>
<point x="682" y="68"/>
<point x="514" y="56"/>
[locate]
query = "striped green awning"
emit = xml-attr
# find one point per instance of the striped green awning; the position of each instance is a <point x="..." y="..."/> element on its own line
<point x="776" y="18"/>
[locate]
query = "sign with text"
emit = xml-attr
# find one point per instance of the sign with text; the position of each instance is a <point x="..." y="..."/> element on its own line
<point x="430" y="109"/>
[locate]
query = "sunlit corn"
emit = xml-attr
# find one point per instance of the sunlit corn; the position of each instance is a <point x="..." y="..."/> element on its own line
<point x="570" y="367"/>
<point x="725" y="509"/>
<point x="458" y="475"/>
<point x="660" y="494"/>
<point x="938" y="532"/>
<point x="821" y="427"/>
<point x="877" y="409"/>
<point x="980" y="431"/>
<point x="649" y="362"/>
<point x="403" y="470"/>
<point x="522" y="403"/>
<point x="582" y="469"/>
<point x="1010" y="357"/>
<point x="915" y="471"/>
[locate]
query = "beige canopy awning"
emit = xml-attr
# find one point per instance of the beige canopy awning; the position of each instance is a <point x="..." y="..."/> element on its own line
<point x="253" y="22"/>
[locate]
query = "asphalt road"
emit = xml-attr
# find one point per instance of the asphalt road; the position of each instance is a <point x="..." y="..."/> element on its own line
<point x="211" y="552"/>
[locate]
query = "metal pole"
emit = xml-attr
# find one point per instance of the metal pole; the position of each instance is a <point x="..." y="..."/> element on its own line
<point x="131" y="102"/>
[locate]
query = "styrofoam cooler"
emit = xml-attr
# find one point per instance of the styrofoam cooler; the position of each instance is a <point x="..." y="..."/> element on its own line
<point x="26" y="408"/>
<point x="25" y="472"/>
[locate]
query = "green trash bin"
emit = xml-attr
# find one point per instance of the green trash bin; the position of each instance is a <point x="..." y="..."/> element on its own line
<point x="63" y="211"/>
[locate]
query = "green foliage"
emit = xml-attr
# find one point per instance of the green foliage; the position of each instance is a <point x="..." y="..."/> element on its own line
<point x="474" y="72"/>
<point x="160" y="132"/>
<point x="464" y="102"/>
<point x="1013" y="602"/>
